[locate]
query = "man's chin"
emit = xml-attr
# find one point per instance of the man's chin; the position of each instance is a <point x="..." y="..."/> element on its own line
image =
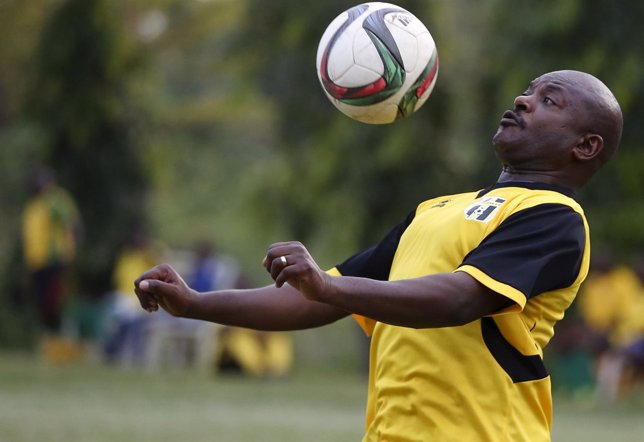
<point x="503" y="146"/>
<point x="499" y="138"/>
<point x="505" y="137"/>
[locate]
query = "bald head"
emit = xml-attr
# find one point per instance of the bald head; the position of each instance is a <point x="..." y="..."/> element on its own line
<point x="601" y="113"/>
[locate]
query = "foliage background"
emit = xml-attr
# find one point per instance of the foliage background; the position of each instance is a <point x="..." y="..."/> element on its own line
<point x="199" y="119"/>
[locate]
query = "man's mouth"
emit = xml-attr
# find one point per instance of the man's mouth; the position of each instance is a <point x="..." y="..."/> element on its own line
<point x="510" y="118"/>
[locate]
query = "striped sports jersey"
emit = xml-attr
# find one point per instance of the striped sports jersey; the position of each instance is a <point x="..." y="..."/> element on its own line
<point x="486" y="380"/>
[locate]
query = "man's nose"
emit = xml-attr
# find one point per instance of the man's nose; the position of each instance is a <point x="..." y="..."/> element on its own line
<point x="522" y="103"/>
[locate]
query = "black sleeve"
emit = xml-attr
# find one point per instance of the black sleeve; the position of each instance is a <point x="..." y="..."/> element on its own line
<point x="535" y="250"/>
<point x="375" y="262"/>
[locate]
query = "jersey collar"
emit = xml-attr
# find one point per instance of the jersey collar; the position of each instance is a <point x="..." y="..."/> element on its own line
<point x="528" y="185"/>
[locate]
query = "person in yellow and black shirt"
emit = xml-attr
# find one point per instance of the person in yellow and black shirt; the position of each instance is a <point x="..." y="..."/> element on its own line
<point x="612" y="306"/>
<point x="462" y="296"/>
<point x="50" y="231"/>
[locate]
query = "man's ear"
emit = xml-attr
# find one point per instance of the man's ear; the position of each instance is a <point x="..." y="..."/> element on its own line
<point x="589" y="146"/>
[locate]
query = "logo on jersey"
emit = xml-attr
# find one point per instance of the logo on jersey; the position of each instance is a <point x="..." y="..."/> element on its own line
<point x="484" y="209"/>
<point x="441" y="204"/>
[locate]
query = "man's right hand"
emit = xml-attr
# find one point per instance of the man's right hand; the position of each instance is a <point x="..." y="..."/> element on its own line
<point x="162" y="286"/>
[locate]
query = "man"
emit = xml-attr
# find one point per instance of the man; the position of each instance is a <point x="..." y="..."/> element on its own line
<point x="50" y="231"/>
<point x="461" y="297"/>
<point x="51" y="227"/>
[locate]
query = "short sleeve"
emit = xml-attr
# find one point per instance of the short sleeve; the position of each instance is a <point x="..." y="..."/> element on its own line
<point x="375" y="262"/>
<point x="533" y="251"/>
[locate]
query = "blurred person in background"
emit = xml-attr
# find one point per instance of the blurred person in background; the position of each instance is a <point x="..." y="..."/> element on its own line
<point x="125" y="328"/>
<point x="51" y="228"/>
<point x="613" y="305"/>
<point x="259" y="353"/>
<point x="605" y="296"/>
<point x="211" y="269"/>
<point x="238" y="350"/>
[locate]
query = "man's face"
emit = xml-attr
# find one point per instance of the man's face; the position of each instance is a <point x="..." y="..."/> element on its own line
<point x="545" y="123"/>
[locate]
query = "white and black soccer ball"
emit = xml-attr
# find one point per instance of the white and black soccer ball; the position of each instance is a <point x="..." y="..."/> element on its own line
<point x="377" y="63"/>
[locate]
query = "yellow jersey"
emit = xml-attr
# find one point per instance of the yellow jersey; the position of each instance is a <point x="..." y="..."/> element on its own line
<point x="48" y="228"/>
<point x="486" y="380"/>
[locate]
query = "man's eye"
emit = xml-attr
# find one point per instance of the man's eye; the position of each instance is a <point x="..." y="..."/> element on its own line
<point x="548" y="100"/>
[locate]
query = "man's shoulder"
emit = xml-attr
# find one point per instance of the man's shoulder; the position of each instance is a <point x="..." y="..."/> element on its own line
<point x="443" y="200"/>
<point x="515" y="196"/>
<point x="520" y="196"/>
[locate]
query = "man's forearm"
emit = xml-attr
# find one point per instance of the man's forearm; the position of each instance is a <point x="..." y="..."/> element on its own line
<point x="266" y="308"/>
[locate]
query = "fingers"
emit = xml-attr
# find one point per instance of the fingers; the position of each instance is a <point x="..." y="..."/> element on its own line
<point x="290" y="262"/>
<point x="150" y="285"/>
<point x="147" y="300"/>
<point x="284" y="249"/>
<point x="162" y="272"/>
<point x="279" y="267"/>
<point x="291" y="273"/>
<point x="283" y="256"/>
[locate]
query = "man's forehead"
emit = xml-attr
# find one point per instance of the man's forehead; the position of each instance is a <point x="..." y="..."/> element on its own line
<point x="553" y="80"/>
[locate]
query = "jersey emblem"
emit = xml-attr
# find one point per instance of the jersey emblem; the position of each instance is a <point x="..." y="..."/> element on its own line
<point x="441" y="204"/>
<point x="484" y="209"/>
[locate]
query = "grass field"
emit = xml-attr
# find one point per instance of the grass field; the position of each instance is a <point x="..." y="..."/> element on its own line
<point x="91" y="403"/>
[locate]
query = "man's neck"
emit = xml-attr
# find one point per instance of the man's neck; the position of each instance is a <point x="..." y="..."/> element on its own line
<point x="546" y="177"/>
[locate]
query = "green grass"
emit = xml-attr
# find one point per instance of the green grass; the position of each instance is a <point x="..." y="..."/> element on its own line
<point x="581" y="416"/>
<point x="89" y="402"/>
<point x="587" y="422"/>
<point x="82" y="402"/>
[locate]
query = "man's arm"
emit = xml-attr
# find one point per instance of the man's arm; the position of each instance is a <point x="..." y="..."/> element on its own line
<point x="440" y="300"/>
<point x="267" y="308"/>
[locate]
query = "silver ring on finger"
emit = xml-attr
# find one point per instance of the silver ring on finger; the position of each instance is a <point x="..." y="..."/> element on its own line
<point x="284" y="261"/>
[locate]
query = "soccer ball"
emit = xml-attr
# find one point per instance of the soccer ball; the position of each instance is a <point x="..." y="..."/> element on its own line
<point x="377" y="63"/>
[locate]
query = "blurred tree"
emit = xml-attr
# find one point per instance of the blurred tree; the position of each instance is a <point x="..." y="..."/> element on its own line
<point x="206" y="118"/>
<point x="239" y="140"/>
<point x="20" y="22"/>
<point x="80" y="98"/>
<point x="337" y="184"/>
